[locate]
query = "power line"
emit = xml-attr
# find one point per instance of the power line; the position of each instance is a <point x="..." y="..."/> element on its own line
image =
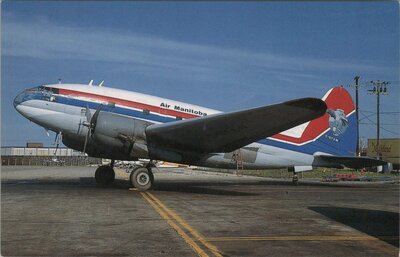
<point x="367" y="81"/>
<point x="373" y="122"/>
<point x="394" y="133"/>
<point x="373" y="114"/>
<point x="366" y="116"/>
<point x="366" y="111"/>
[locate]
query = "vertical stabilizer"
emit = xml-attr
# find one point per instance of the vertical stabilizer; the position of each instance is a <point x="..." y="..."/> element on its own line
<point x="335" y="133"/>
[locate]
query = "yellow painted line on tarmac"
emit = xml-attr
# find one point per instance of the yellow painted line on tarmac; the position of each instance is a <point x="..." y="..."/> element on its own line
<point x="182" y="222"/>
<point x="301" y="238"/>
<point x="196" y="248"/>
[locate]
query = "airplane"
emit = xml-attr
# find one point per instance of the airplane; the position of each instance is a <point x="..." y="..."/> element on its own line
<point x="116" y="124"/>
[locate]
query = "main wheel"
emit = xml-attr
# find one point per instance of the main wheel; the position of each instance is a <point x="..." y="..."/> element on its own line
<point x="142" y="178"/>
<point x="104" y="175"/>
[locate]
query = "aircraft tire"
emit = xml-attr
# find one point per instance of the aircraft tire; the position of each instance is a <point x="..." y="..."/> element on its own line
<point x="142" y="179"/>
<point x="104" y="175"/>
<point x="151" y="175"/>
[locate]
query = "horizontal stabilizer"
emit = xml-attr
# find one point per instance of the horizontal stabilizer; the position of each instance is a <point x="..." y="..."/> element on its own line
<point x="226" y="132"/>
<point x="349" y="162"/>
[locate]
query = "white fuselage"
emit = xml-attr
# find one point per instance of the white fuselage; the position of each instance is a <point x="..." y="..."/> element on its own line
<point x="64" y="110"/>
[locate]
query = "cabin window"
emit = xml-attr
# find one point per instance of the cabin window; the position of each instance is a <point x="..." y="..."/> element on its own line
<point x="146" y="112"/>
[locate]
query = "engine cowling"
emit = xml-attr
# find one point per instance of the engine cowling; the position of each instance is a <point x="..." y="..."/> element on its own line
<point x="120" y="134"/>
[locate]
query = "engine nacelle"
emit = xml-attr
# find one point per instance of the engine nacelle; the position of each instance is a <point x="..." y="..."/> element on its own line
<point x="120" y="134"/>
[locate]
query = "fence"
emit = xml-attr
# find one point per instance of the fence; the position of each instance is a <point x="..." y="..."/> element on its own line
<point x="49" y="161"/>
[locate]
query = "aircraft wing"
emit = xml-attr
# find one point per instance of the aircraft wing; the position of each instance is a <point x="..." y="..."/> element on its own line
<point x="227" y="132"/>
<point x="349" y="162"/>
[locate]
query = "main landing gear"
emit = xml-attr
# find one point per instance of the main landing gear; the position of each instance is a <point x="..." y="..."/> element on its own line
<point x="105" y="174"/>
<point x="141" y="177"/>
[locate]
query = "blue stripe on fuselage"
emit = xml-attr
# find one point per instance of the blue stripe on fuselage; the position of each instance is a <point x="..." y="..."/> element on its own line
<point x="326" y="143"/>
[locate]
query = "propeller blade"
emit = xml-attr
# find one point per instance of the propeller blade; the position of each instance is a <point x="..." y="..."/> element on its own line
<point x="88" y="114"/>
<point x="93" y="120"/>
<point x="86" y="140"/>
<point x="57" y="141"/>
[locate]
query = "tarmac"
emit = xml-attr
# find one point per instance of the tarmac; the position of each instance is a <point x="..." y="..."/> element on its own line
<point x="59" y="211"/>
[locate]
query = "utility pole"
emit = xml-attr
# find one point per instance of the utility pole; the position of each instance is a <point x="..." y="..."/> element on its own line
<point x="356" y="78"/>
<point x="379" y="88"/>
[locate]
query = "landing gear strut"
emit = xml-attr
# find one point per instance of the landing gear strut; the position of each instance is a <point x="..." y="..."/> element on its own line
<point x="295" y="180"/>
<point x="105" y="174"/>
<point x="142" y="178"/>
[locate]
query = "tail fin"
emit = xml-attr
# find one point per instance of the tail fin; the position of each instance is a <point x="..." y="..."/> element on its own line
<point x="342" y="133"/>
<point x="335" y="133"/>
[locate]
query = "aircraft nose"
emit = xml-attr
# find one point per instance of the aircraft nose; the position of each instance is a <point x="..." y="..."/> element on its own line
<point x="19" y="99"/>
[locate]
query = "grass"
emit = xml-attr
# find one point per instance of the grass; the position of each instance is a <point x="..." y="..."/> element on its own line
<point x="314" y="174"/>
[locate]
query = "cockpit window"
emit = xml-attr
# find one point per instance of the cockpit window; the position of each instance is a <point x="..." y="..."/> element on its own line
<point x="38" y="93"/>
<point x="35" y="89"/>
<point x="48" y="89"/>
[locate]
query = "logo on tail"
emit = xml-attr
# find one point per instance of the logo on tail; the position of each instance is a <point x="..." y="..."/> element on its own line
<point x="338" y="121"/>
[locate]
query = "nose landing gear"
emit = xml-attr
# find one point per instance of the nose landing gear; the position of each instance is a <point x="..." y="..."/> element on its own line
<point x="295" y="179"/>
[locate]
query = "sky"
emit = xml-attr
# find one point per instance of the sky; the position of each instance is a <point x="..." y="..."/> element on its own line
<point x="222" y="55"/>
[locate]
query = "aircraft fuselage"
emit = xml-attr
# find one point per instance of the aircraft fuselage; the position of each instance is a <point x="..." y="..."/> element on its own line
<point x="64" y="108"/>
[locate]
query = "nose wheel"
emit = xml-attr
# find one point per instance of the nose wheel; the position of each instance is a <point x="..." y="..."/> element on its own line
<point x="295" y="179"/>
<point x="142" y="178"/>
<point x="104" y="175"/>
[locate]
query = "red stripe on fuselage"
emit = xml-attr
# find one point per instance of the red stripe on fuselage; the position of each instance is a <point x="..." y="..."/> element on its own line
<point x="338" y="98"/>
<point x="127" y="103"/>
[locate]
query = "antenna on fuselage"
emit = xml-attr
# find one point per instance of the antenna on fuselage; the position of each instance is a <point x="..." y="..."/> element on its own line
<point x="101" y="83"/>
<point x="59" y="81"/>
<point x="91" y="82"/>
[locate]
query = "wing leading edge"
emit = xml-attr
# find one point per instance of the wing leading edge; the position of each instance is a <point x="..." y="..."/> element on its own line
<point x="226" y="132"/>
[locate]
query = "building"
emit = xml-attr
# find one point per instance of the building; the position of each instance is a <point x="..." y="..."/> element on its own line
<point x="14" y="155"/>
<point x="389" y="150"/>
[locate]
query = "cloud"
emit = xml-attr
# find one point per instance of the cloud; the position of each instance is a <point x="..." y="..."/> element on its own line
<point x="44" y="40"/>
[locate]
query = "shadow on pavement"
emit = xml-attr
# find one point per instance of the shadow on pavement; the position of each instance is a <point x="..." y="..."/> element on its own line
<point x="224" y="186"/>
<point x="170" y="186"/>
<point x="380" y="224"/>
<point x="199" y="188"/>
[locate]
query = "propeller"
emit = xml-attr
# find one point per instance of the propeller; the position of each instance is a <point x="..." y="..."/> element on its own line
<point x="57" y="141"/>
<point x="90" y="123"/>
